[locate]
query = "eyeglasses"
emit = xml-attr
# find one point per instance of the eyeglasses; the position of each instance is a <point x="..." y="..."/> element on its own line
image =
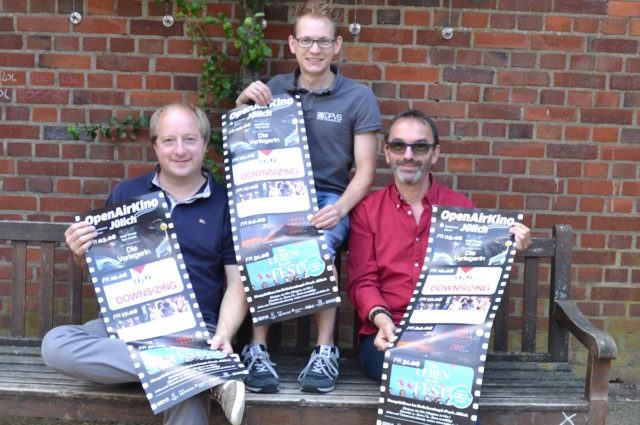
<point x="419" y="147"/>
<point x="307" y="42"/>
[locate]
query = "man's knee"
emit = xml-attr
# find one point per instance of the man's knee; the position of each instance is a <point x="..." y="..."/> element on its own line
<point x="53" y="349"/>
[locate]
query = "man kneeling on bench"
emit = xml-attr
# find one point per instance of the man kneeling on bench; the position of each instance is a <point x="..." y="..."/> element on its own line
<point x="179" y="135"/>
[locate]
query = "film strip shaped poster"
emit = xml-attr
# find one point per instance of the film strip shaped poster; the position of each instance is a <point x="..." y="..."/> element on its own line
<point x="433" y="372"/>
<point x="285" y="266"/>
<point x="147" y="300"/>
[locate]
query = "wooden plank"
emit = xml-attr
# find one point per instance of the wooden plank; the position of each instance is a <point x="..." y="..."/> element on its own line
<point x="47" y="267"/>
<point x="32" y="231"/>
<point x="560" y="290"/>
<point x="530" y="305"/>
<point x="500" y="325"/>
<point x="75" y="292"/>
<point x="18" y="289"/>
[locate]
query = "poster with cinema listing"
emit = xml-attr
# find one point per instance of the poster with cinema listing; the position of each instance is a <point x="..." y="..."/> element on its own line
<point x="147" y="300"/>
<point x="433" y="372"/>
<point x="284" y="263"/>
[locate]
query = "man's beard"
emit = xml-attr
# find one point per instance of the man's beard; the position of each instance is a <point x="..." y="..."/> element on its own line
<point x="413" y="178"/>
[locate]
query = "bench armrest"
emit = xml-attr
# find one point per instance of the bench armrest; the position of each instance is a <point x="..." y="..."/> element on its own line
<point x="599" y="343"/>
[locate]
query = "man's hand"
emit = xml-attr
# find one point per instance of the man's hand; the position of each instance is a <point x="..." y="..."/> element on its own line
<point x="521" y="234"/>
<point x="386" y="333"/>
<point x="257" y="92"/>
<point x="327" y="217"/>
<point x="79" y="237"/>
<point x="218" y="342"/>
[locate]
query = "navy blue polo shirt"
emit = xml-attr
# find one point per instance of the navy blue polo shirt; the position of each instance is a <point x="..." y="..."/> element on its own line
<point x="204" y="234"/>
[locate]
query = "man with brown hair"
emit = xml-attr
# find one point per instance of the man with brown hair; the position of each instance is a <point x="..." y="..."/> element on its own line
<point x="341" y="119"/>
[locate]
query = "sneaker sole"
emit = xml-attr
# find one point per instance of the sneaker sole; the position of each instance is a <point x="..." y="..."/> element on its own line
<point x="312" y="389"/>
<point x="264" y="390"/>
<point x="237" y="411"/>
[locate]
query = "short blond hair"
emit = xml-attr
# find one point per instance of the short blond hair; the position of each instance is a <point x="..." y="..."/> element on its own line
<point x="203" y="120"/>
<point x="316" y="9"/>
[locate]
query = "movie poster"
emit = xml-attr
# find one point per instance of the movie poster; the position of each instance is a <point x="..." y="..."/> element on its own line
<point x="147" y="300"/>
<point x="285" y="266"/>
<point x="433" y="372"/>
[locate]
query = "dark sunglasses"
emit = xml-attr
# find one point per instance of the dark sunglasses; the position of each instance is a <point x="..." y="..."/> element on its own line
<point x="420" y="147"/>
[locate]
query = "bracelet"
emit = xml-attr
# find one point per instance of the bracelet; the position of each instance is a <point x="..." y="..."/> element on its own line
<point x="380" y="311"/>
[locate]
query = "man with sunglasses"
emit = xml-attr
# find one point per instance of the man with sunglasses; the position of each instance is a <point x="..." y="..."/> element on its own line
<point x="341" y="119"/>
<point x="390" y="231"/>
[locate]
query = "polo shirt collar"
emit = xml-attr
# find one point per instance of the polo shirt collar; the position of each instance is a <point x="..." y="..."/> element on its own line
<point x="203" y="192"/>
<point x="293" y="82"/>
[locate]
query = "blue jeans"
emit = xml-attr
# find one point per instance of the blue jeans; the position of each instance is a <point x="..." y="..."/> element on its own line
<point x="370" y="358"/>
<point x="335" y="235"/>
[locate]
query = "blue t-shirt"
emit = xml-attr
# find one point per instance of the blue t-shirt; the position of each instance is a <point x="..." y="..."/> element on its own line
<point x="204" y="234"/>
<point x="332" y="116"/>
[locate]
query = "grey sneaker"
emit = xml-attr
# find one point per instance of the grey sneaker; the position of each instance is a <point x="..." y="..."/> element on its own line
<point x="321" y="372"/>
<point x="262" y="377"/>
<point x="230" y="396"/>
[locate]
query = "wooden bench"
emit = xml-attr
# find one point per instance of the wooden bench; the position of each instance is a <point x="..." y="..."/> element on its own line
<point x="528" y="385"/>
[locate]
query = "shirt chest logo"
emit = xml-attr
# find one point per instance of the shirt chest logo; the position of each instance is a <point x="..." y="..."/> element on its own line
<point x="329" y="116"/>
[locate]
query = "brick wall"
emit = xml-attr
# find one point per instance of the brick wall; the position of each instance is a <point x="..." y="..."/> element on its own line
<point x="537" y="104"/>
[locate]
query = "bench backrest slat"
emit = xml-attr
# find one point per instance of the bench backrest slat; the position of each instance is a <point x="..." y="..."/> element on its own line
<point x="45" y="308"/>
<point x="560" y="290"/>
<point x="18" y="288"/>
<point x="530" y="304"/>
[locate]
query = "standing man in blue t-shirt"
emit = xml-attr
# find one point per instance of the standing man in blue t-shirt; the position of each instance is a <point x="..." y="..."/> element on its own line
<point x="341" y="118"/>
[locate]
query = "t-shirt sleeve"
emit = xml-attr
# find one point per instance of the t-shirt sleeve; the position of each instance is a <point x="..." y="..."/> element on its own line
<point x="367" y="112"/>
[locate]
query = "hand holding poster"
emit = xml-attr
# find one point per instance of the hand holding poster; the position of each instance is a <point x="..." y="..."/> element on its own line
<point x="434" y="373"/>
<point x="285" y="266"/>
<point x="147" y="300"/>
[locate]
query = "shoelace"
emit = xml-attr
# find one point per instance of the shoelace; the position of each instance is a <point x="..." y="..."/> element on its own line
<point x="262" y="363"/>
<point x="321" y="365"/>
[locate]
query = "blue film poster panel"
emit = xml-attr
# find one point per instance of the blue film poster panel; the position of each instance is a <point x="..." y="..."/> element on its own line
<point x="147" y="300"/>
<point x="433" y="372"/>
<point x="284" y="262"/>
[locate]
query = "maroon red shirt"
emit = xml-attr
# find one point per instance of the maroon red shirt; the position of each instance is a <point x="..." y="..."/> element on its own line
<point x="387" y="249"/>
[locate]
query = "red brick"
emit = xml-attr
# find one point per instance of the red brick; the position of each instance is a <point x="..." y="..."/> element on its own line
<point x="14" y="184"/>
<point x="513" y="166"/>
<point x="355" y="53"/>
<point x="468" y="93"/>
<point x="11" y="42"/>
<point x="11" y="202"/>
<point x="483" y="183"/>
<point x="92" y="169"/>
<point x="71" y="79"/>
<point x="563" y="43"/>
<point x="523" y="95"/>
<point x="129" y="81"/>
<point x="45" y="114"/>
<point x="66" y="44"/>
<point x="563" y="79"/>
<point x="414" y="55"/>
<point x="550" y="113"/>
<point x="412" y="91"/>
<point x="469" y="129"/>
<point x="130" y="153"/>
<point x="552" y="97"/>
<point x="583" y="62"/>
<point x="100" y="81"/>
<point x="624" y="82"/>
<point x="579" y="98"/>
<point x="498" y="40"/>
<point x="595" y="170"/>
<point x="520" y="149"/>
<point x="94" y="44"/>
<point x="512" y="202"/>
<point x="591" y="204"/>
<point x="592" y="241"/>
<point x="615" y="223"/>
<point x="552" y="61"/>
<point x="634" y="27"/>
<point x="125" y="63"/>
<point x="543" y="220"/>
<point x="18" y="60"/>
<point x="497" y="111"/>
<point x="592" y="257"/>
<point x="416" y="17"/>
<point x="112" y="25"/>
<point x="74" y="150"/>
<point x="18" y="149"/>
<point x="60" y="204"/>
<point x="182" y="65"/>
<point x="577" y="133"/>
<point x="496" y="94"/>
<point x="53" y="23"/>
<point x="100" y="97"/>
<point x="630" y="188"/>
<point x="537" y="185"/>
<point x="606" y="116"/>
<point x="412" y="73"/>
<point x="469" y="57"/>
<point x="612" y="45"/>
<point x="129" y="8"/>
<point x="590" y="187"/>
<point x="484" y="200"/>
<point x="613" y="310"/>
<point x="558" y="23"/>
<point x="615" y="294"/>
<point x="475" y="20"/>
<point x="121" y="45"/>
<point x="77" y="61"/>
<point x="564" y="203"/>
<point x="96" y="187"/>
<point x="485" y="165"/>
<point x="613" y="26"/>
<point x="102" y="151"/>
<point x="541" y="167"/>
<point x="503" y="21"/>
<point x="605" y="134"/>
<point x="620" y="206"/>
<point x="150" y="46"/>
<point x="43" y="168"/>
<point x="586" y="25"/>
<point x="16" y="131"/>
<point x="589" y="274"/>
<point x="41" y="185"/>
<point x="68" y="186"/>
<point x="134" y="170"/>
<point x="155" y="27"/>
<point x="100" y="7"/>
<point x="620" y="153"/>
<point x="158" y="82"/>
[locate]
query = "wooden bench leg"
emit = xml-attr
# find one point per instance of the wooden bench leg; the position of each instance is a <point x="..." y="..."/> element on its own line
<point x="597" y="389"/>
